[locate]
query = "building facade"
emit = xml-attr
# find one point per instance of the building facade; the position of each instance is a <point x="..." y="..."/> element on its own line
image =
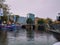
<point x="22" y="20"/>
<point x="30" y="15"/>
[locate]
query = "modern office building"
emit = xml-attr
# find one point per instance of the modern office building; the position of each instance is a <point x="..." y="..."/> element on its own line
<point x="31" y="15"/>
<point x="22" y="20"/>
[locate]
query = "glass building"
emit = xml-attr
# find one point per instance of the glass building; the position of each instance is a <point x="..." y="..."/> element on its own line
<point x="30" y="15"/>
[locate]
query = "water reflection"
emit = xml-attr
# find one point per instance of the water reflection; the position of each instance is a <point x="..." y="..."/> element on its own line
<point x="27" y="37"/>
<point x="57" y="36"/>
<point x="3" y="38"/>
<point x="16" y="32"/>
<point x="30" y="34"/>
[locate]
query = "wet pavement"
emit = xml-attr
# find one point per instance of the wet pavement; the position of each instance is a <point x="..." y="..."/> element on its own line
<point x="27" y="37"/>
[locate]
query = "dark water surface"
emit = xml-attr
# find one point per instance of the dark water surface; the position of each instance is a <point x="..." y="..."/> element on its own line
<point x="27" y="37"/>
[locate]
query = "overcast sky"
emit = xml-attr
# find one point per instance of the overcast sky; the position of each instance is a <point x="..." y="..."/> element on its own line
<point x="41" y="8"/>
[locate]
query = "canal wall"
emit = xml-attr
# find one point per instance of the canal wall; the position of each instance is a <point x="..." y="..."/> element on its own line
<point x="56" y="26"/>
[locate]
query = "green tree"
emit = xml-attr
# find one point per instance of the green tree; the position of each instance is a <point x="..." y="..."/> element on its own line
<point x="41" y="21"/>
<point x="49" y="21"/>
<point x="5" y="12"/>
<point x="29" y="21"/>
<point x="16" y="18"/>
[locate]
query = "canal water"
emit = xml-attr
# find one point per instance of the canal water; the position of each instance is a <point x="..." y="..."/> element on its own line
<point x="27" y="37"/>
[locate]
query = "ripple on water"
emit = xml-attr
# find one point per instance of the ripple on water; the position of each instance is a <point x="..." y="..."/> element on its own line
<point x="37" y="39"/>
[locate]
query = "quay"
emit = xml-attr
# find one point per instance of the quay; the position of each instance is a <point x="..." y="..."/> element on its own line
<point x="55" y="31"/>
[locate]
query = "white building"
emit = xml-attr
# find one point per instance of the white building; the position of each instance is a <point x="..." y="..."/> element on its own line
<point x="22" y="20"/>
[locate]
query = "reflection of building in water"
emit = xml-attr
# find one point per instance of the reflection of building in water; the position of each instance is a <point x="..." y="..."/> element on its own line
<point x="30" y="35"/>
<point x="16" y="33"/>
<point x="4" y="11"/>
<point x="3" y="38"/>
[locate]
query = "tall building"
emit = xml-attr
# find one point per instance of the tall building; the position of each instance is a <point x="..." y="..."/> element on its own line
<point x="58" y="17"/>
<point x="31" y="15"/>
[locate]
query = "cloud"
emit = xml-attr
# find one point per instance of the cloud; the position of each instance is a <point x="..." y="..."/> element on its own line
<point x="41" y="8"/>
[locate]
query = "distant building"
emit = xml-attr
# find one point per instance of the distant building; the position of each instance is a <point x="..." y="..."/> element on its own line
<point x="36" y="20"/>
<point x="22" y="20"/>
<point x="13" y="18"/>
<point x="30" y="15"/>
<point x="58" y="17"/>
